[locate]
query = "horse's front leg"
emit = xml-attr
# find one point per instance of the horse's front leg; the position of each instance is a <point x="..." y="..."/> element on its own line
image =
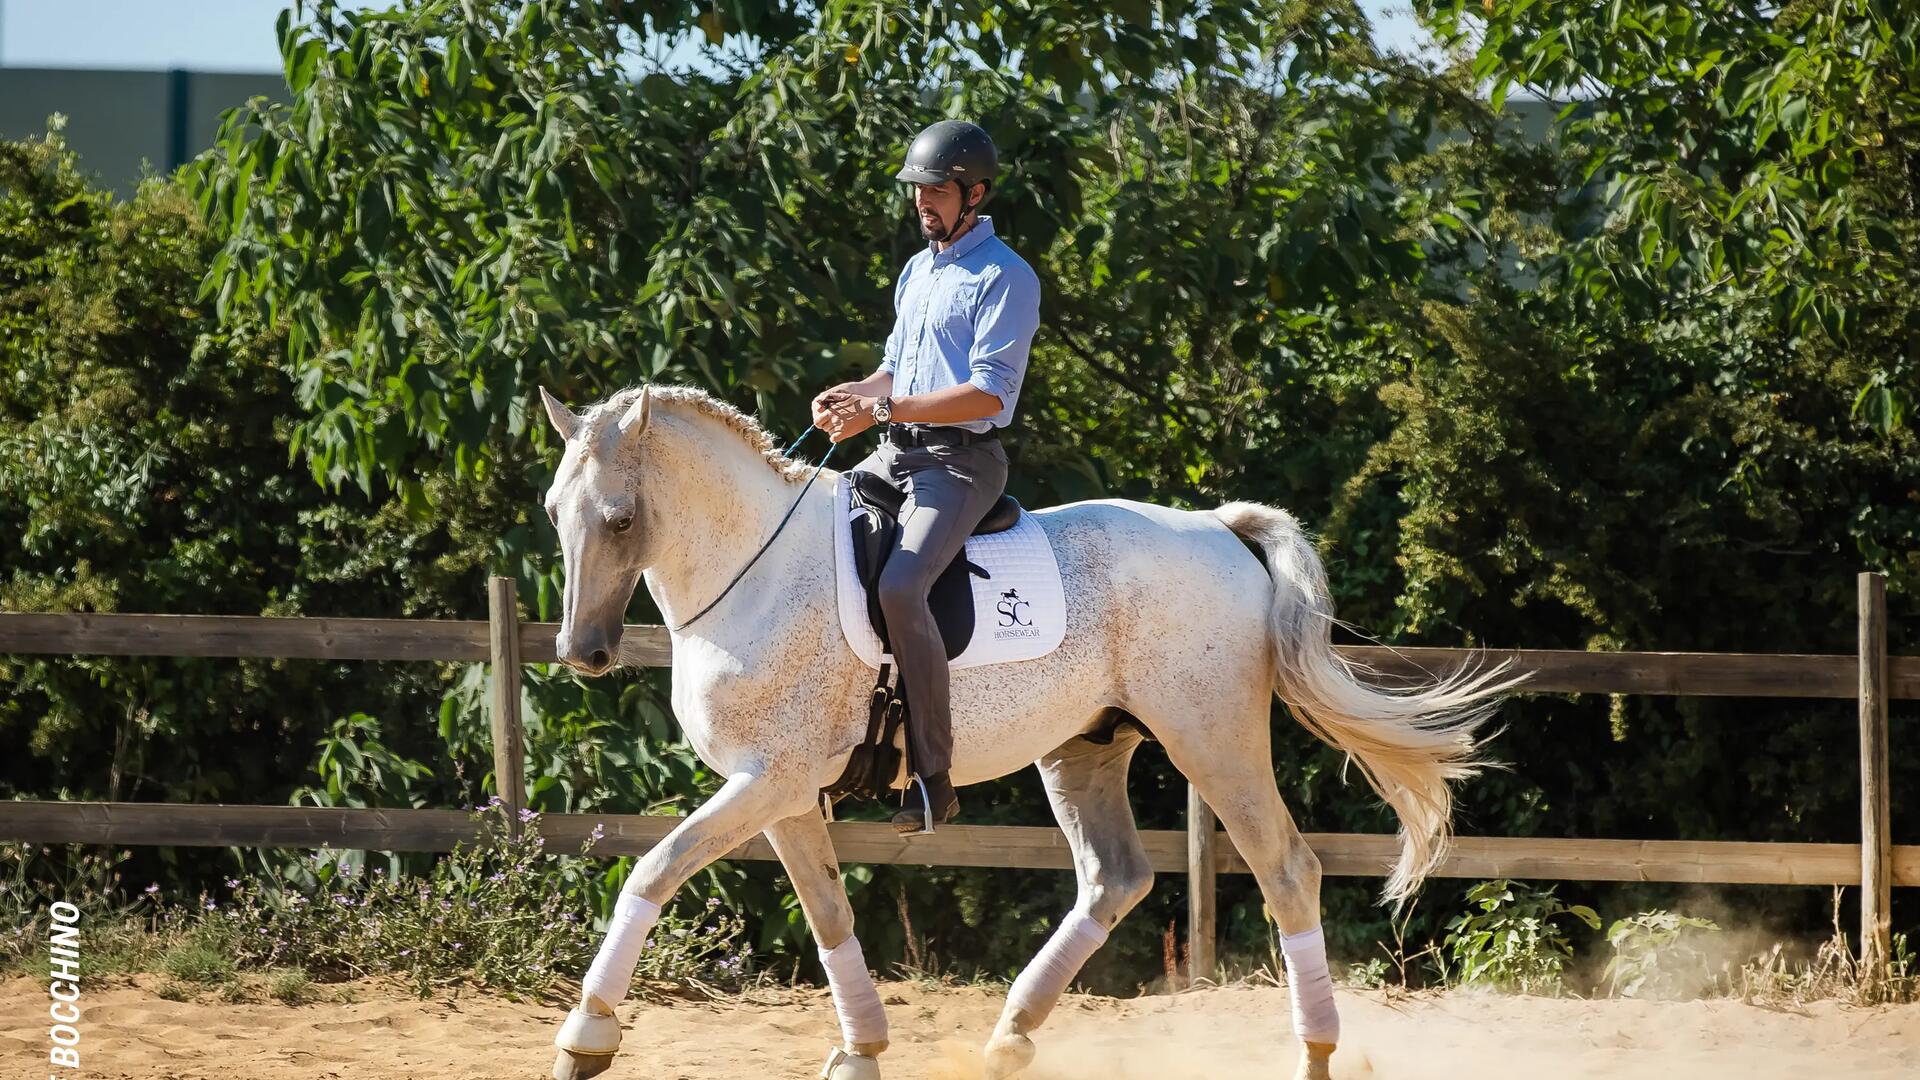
<point x="745" y="805"/>
<point x="806" y="851"/>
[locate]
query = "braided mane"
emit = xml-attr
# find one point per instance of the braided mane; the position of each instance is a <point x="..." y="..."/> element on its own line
<point x="704" y="404"/>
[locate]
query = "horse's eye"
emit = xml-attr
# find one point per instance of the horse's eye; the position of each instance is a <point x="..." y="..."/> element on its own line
<point x="623" y="524"/>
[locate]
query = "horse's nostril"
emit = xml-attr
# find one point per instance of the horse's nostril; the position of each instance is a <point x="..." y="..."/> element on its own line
<point x="598" y="659"/>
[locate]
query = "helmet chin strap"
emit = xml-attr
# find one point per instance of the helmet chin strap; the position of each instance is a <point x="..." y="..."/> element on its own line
<point x="969" y="210"/>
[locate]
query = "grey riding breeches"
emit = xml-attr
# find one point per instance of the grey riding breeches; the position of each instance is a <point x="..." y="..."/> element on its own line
<point x="948" y="490"/>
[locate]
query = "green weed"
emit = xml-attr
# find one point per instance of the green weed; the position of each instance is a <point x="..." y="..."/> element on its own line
<point x="1513" y="938"/>
<point x="290" y="986"/>
<point x="1659" y="954"/>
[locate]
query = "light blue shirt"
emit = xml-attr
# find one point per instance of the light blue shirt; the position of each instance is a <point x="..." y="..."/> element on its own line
<point x="964" y="315"/>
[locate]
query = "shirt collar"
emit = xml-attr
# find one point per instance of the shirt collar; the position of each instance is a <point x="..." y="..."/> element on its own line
<point x="973" y="238"/>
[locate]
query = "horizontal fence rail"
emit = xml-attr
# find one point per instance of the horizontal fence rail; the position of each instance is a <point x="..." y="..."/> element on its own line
<point x="1554" y="671"/>
<point x="1002" y="846"/>
<point x="267" y="637"/>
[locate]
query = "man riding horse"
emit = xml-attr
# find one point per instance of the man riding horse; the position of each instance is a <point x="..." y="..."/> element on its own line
<point x="1183" y="623"/>
<point x="965" y="312"/>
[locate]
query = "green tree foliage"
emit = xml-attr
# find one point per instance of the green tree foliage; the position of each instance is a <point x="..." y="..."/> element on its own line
<point x="465" y="199"/>
<point x="141" y="470"/>
<point x="144" y="467"/>
<point x="1740" y="148"/>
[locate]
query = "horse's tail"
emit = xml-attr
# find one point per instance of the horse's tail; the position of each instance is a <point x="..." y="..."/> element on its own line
<point x="1409" y="742"/>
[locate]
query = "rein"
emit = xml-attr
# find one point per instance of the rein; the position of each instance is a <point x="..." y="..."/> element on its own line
<point x="776" y="532"/>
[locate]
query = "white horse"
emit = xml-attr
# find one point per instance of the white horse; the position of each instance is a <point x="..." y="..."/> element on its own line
<point x="1169" y="618"/>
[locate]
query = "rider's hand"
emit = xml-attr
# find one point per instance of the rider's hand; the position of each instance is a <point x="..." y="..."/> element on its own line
<point x="849" y="415"/>
<point x="822" y="416"/>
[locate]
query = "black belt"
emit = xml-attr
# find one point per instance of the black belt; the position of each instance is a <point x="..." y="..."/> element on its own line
<point x="915" y="435"/>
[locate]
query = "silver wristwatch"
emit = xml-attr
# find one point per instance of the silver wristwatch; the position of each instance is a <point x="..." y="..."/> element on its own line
<point x="883" y="411"/>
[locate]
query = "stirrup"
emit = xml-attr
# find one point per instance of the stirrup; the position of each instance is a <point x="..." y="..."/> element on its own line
<point x="926" y="808"/>
<point x="859" y="1066"/>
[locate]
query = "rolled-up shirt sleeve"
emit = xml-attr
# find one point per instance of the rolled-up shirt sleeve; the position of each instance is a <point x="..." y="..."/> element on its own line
<point x="1008" y="317"/>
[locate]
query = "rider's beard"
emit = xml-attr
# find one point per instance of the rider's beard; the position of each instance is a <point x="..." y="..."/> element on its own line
<point x="937" y="231"/>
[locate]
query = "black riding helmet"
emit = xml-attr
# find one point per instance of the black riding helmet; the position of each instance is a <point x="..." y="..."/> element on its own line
<point x="951" y="150"/>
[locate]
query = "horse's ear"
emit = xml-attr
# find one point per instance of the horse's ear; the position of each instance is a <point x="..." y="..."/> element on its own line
<point x="635" y="422"/>
<point x="564" y="421"/>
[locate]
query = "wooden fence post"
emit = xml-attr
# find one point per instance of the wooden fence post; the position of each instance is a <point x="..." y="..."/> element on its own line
<point x="509" y="748"/>
<point x="1202" y="901"/>
<point x="1876" y="839"/>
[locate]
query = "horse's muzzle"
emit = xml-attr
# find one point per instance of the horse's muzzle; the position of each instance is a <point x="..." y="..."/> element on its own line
<point x="586" y="651"/>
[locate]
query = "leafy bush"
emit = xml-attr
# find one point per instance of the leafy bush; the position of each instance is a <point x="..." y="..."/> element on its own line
<point x="1514" y="940"/>
<point x="1659" y="954"/>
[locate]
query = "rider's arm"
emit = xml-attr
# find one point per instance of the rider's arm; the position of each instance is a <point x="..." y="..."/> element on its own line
<point x="948" y="405"/>
<point x="878" y="384"/>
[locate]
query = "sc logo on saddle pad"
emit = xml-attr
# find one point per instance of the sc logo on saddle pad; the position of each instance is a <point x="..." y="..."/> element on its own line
<point x="1013" y="617"/>
<point x="1019" y="607"/>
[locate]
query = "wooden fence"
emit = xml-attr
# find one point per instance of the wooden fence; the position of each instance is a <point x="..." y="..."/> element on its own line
<point x="1870" y="677"/>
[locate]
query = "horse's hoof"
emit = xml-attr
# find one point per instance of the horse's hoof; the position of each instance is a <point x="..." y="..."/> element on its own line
<point x="844" y="1066"/>
<point x="572" y="1065"/>
<point x="1007" y="1055"/>
<point x="1313" y="1062"/>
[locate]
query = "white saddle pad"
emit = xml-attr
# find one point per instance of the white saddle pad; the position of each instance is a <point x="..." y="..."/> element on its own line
<point x="1019" y="613"/>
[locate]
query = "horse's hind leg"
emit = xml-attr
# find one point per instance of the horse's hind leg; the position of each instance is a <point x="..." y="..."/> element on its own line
<point x="1087" y="784"/>
<point x="1230" y="763"/>
<point x="806" y="851"/>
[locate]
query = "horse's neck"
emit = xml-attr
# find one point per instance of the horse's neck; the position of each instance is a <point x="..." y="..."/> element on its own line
<point x="714" y="501"/>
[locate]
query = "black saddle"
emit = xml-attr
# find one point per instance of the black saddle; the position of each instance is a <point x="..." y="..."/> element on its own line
<point x="876" y="530"/>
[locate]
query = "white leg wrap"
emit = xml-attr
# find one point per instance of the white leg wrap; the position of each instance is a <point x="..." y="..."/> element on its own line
<point x="855" y="998"/>
<point x="1048" y="975"/>
<point x="1314" y="1017"/>
<point x="612" y="972"/>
